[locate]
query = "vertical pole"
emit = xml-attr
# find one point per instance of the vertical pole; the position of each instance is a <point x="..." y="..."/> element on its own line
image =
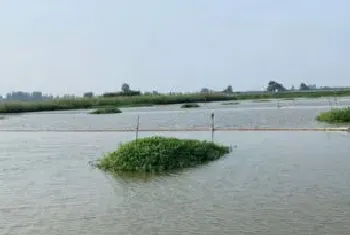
<point x="212" y="127"/>
<point x="137" y="126"/>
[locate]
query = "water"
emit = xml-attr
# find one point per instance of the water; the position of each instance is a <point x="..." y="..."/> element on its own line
<point x="272" y="183"/>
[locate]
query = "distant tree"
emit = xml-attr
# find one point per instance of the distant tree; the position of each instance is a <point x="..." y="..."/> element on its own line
<point x="293" y="88"/>
<point x="303" y="87"/>
<point x="125" y="87"/>
<point x="205" y="90"/>
<point x="88" y="95"/>
<point x="275" y="86"/>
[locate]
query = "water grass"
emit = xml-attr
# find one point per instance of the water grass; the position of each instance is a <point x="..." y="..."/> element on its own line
<point x="159" y="154"/>
<point x="231" y="103"/>
<point x="190" y="105"/>
<point x="336" y="115"/>
<point x="261" y="101"/>
<point x="106" y="110"/>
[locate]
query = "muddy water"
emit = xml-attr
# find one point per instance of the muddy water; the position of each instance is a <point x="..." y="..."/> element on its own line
<point x="272" y="183"/>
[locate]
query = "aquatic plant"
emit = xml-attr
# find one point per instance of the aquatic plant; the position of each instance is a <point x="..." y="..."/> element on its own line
<point x="336" y="115"/>
<point x="261" y="101"/>
<point x="190" y="105"/>
<point x="106" y="110"/>
<point x="161" y="154"/>
<point x="231" y="103"/>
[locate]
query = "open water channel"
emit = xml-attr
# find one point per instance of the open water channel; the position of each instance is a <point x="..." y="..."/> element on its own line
<point x="272" y="183"/>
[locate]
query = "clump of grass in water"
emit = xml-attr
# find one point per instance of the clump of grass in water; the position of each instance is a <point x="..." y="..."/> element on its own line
<point x="106" y="110"/>
<point x="232" y="103"/>
<point x="261" y="101"/>
<point x="190" y="105"/>
<point x="159" y="154"/>
<point x="336" y="115"/>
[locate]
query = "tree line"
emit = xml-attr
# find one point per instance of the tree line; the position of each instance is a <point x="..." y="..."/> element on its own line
<point x="272" y="86"/>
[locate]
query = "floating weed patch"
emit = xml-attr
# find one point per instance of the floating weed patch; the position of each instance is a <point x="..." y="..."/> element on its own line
<point x="231" y="103"/>
<point x="336" y="115"/>
<point x="261" y="101"/>
<point x="159" y="154"/>
<point x="190" y="105"/>
<point x="106" y="110"/>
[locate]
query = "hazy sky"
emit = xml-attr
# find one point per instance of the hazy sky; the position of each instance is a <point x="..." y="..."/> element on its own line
<point x="73" y="46"/>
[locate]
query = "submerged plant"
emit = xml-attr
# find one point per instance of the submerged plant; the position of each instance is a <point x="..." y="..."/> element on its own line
<point x="336" y="115"/>
<point x="106" y="110"/>
<point x="161" y="154"/>
<point x="231" y="103"/>
<point x="190" y="105"/>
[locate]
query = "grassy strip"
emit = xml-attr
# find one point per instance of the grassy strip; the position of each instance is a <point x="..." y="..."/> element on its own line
<point x="336" y="115"/>
<point x="86" y="103"/>
<point x="106" y="110"/>
<point x="159" y="154"/>
<point x="143" y="100"/>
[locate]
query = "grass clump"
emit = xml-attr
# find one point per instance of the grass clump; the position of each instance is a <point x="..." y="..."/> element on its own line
<point x="157" y="154"/>
<point x="336" y="115"/>
<point x="190" y="105"/>
<point x="261" y="101"/>
<point x="106" y="110"/>
<point x="231" y="103"/>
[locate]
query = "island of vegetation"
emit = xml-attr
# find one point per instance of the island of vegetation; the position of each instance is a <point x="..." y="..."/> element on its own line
<point x="231" y="103"/>
<point x="157" y="154"/>
<point x="336" y="115"/>
<point x="106" y="110"/>
<point x="190" y="105"/>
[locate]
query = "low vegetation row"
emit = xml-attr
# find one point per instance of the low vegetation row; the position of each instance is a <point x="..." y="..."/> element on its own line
<point x="157" y="99"/>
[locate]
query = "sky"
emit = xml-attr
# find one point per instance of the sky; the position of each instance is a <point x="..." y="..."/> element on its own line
<point x="74" y="46"/>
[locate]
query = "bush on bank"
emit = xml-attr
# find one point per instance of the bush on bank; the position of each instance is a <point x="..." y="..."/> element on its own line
<point x="336" y="115"/>
<point x="160" y="154"/>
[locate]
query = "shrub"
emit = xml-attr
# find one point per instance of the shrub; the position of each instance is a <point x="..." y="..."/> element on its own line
<point x="161" y="154"/>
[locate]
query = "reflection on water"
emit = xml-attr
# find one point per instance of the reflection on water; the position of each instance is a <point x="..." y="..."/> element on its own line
<point x="272" y="183"/>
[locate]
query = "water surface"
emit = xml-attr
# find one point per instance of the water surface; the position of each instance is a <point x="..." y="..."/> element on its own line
<point x="272" y="183"/>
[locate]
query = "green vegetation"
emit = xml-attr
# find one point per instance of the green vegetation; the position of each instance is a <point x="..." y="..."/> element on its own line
<point x="261" y="101"/>
<point x="190" y="105"/>
<point x="88" y="103"/>
<point x="148" y="100"/>
<point x="231" y="103"/>
<point x="157" y="154"/>
<point x="106" y="110"/>
<point x="336" y="115"/>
